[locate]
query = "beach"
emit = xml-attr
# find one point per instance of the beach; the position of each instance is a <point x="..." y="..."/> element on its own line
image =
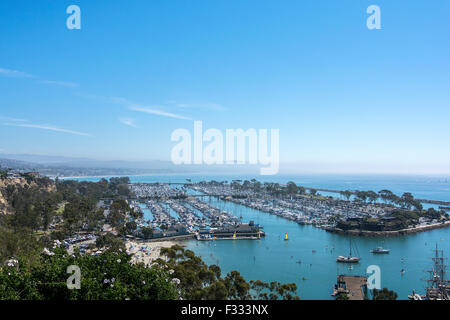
<point x="148" y="251"/>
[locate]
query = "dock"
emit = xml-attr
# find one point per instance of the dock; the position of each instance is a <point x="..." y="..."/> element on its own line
<point x="355" y="287"/>
<point x="228" y="238"/>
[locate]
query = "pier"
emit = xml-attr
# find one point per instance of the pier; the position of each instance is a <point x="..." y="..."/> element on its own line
<point x="355" y="287"/>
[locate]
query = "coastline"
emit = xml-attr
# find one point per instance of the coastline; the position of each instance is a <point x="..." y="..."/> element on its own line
<point x="401" y="232"/>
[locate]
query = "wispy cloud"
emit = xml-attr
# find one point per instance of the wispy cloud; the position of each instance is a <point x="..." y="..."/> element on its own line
<point x="20" y="74"/>
<point x="198" y="105"/>
<point x="119" y="100"/>
<point x="67" y="84"/>
<point x="46" y="127"/>
<point x="216" y="106"/>
<point x="152" y="110"/>
<point x="15" y="73"/>
<point x="156" y="110"/>
<point x="128" y="122"/>
<point x="12" y="119"/>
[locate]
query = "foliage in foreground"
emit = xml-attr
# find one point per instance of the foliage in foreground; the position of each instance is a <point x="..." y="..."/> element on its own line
<point x="384" y="294"/>
<point x="196" y="280"/>
<point x="108" y="276"/>
<point x="179" y="274"/>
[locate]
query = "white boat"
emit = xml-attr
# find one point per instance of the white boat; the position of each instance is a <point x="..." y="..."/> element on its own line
<point x="380" y="250"/>
<point x="349" y="258"/>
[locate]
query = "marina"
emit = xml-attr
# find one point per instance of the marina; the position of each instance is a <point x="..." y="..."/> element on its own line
<point x="309" y="257"/>
<point x="370" y="214"/>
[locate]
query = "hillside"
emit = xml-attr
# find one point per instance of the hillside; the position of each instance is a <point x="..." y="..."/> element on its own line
<point x="9" y="185"/>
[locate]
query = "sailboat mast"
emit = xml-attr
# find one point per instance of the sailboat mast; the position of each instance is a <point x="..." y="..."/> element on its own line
<point x="350" y="247"/>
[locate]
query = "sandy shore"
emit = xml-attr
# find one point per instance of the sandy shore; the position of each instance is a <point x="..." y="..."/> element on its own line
<point x="147" y="251"/>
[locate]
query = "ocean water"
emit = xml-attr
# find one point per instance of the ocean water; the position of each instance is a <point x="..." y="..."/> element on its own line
<point x="309" y="257"/>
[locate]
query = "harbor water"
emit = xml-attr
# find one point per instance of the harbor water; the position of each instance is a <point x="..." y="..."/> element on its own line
<point x="308" y="258"/>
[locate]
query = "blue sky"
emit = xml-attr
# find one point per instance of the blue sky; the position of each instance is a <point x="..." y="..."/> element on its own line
<point x="341" y="95"/>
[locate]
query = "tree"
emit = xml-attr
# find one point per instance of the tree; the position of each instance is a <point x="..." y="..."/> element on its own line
<point x="361" y="195"/>
<point x="108" y="276"/>
<point x="388" y="196"/>
<point x="384" y="294"/>
<point x="147" y="232"/>
<point x="292" y="188"/>
<point x="373" y="196"/>
<point x="237" y="287"/>
<point x="118" y="212"/>
<point x="256" y="185"/>
<point x="110" y="241"/>
<point x="347" y="194"/>
<point x="301" y="190"/>
<point x="199" y="281"/>
<point x="342" y="296"/>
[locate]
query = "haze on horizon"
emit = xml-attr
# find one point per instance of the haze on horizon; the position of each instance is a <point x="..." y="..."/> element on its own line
<point x="345" y="99"/>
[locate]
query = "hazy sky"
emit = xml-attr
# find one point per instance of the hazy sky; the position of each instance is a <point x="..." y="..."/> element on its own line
<point x="342" y="96"/>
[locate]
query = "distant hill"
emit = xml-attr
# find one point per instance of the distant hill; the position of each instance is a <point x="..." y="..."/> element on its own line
<point x="18" y="164"/>
<point x="56" y="161"/>
<point x="73" y="167"/>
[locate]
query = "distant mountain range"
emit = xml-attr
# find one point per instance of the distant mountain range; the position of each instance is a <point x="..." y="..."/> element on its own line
<point x="43" y="160"/>
<point x="65" y="166"/>
<point x="71" y="167"/>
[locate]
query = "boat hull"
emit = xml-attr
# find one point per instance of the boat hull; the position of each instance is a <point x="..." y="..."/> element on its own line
<point x="347" y="260"/>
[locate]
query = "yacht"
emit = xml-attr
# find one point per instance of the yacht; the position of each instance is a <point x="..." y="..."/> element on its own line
<point x="380" y="250"/>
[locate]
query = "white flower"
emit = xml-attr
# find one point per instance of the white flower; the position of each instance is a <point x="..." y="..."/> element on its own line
<point x="56" y="243"/>
<point x="143" y="282"/>
<point x="171" y="271"/>
<point x="12" y="262"/>
<point x="48" y="252"/>
<point x="119" y="261"/>
<point x="176" y="280"/>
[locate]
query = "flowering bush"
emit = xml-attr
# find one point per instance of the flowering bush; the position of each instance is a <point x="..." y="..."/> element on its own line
<point x="106" y="276"/>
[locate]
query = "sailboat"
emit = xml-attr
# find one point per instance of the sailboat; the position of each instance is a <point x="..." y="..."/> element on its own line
<point x="286" y="237"/>
<point x="349" y="258"/>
